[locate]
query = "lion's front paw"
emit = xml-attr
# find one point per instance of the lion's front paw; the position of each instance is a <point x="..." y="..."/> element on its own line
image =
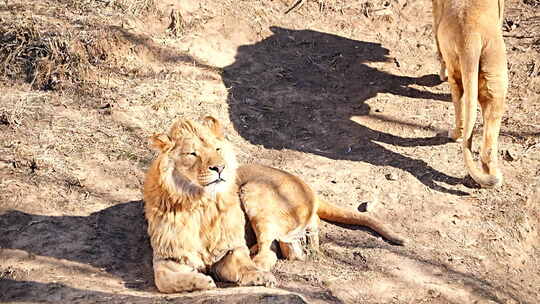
<point x="169" y="281"/>
<point x="258" y="278"/>
<point x="202" y="283"/>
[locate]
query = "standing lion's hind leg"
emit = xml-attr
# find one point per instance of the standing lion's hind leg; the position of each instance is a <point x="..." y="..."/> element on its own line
<point x="436" y="20"/>
<point x="492" y="103"/>
<point x="443" y="73"/>
<point x="171" y="277"/>
<point x="456" y="88"/>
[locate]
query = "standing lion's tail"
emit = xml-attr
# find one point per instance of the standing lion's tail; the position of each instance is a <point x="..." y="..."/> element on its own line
<point x="470" y="62"/>
<point x="334" y="213"/>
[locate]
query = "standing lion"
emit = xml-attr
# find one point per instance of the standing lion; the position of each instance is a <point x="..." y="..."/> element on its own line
<point x="471" y="49"/>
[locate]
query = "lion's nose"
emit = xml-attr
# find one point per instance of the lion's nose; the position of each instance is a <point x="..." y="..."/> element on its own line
<point x="218" y="169"/>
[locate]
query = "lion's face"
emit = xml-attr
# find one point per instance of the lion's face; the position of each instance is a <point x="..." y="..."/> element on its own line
<point x="197" y="155"/>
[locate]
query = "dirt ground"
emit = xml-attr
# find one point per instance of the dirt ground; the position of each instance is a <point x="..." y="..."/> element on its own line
<point x="341" y="93"/>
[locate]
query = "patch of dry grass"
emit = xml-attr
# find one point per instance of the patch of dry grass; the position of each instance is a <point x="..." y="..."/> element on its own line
<point x="57" y="45"/>
<point x="42" y="54"/>
<point x="134" y="7"/>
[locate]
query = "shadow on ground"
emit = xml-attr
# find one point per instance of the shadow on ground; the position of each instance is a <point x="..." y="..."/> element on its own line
<point x="431" y="274"/>
<point x="298" y="90"/>
<point x="34" y="292"/>
<point x="113" y="239"/>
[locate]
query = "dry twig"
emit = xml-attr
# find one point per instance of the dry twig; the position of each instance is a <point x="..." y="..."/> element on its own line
<point x="298" y="4"/>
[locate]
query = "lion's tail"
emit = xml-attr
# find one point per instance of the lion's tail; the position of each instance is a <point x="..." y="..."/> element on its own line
<point x="337" y="214"/>
<point x="470" y="61"/>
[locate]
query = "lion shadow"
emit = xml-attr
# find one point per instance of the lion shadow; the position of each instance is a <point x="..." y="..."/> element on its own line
<point x="12" y="291"/>
<point x="113" y="239"/>
<point x="298" y="89"/>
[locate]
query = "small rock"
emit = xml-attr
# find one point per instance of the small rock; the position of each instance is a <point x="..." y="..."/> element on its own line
<point x="123" y="103"/>
<point x="105" y="106"/>
<point x="433" y="293"/>
<point x="250" y="101"/>
<point x="363" y="206"/>
<point x="391" y="176"/>
<point x="470" y="183"/>
<point x="510" y="155"/>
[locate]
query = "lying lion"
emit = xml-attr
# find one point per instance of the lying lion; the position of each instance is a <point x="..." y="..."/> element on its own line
<point x="193" y="204"/>
<point x="471" y="50"/>
<point x="195" y="222"/>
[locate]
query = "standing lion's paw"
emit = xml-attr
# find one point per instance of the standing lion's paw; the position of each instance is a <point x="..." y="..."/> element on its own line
<point x="455" y="135"/>
<point x="442" y="74"/>
<point x="258" y="278"/>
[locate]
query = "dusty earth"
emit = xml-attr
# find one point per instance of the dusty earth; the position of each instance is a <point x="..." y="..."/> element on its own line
<point x="341" y="93"/>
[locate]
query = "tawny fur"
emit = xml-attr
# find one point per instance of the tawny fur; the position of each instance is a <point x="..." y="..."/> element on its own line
<point x="473" y="58"/>
<point x="195" y="221"/>
<point x="280" y="206"/>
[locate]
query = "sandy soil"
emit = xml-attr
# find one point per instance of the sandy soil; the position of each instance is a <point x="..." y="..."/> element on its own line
<point x="341" y="93"/>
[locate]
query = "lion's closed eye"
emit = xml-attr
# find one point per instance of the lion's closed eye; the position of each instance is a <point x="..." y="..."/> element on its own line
<point x="189" y="154"/>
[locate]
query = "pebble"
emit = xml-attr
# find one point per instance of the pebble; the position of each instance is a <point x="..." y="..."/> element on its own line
<point x="391" y="176"/>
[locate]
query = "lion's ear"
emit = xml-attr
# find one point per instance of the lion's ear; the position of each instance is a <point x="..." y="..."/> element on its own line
<point x="160" y="142"/>
<point x="214" y="125"/>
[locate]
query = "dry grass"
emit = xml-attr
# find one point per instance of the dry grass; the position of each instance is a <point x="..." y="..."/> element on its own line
<point x="42" y="54"/>
<point x="135" y="7"/>
<point x="79" y="44"/>
<point x="178" y="25"/>
<point x="533" y="3"/>
<point x="58" y="45"/>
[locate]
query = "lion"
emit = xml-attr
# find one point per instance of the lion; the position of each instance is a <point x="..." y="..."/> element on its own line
<point x="471" y="50"/>
<point x="195" y="222"/>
